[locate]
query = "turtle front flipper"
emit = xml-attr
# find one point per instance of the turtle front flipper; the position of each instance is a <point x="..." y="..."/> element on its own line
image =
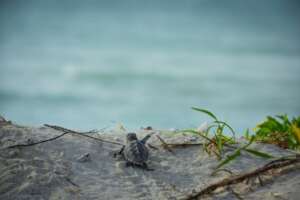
<point x="147" y="137"/>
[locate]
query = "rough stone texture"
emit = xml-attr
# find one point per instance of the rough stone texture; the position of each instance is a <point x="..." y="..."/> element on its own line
<point x="75" y="167"/>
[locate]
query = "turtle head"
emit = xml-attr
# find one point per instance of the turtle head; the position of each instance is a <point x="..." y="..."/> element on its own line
<point x="131" y="137"/>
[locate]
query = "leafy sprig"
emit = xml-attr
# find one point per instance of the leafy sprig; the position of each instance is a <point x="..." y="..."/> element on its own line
<point x="279" y="130"/>
<point x="217" y="140"/>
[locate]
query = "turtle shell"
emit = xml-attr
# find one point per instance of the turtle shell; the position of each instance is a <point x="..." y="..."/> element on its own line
<point x="136" y="152"/>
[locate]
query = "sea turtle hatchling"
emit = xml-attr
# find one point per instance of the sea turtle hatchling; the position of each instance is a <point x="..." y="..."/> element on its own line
<point x="135" y="151"/>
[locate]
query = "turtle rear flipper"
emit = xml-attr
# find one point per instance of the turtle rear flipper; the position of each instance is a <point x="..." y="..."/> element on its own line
<point x="143" y="166"/>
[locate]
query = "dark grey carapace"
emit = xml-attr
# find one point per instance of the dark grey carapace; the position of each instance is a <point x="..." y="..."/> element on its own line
<point x="135" y="151"/>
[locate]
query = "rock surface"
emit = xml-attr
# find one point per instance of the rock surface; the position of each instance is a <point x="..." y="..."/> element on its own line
<point x="76" y="167"/>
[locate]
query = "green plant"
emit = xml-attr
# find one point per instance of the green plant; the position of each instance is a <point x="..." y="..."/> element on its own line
<point x="215" y="144"/>
<point x="280" y="131"/>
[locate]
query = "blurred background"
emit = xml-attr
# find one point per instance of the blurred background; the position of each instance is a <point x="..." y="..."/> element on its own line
<point x="90" y="64"/>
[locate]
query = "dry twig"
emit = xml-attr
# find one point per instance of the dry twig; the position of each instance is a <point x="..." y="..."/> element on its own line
<point x="179" y="145"/>
<point x="39" y="142"/>
<point x="239" y="178"/>
<point x="152" y="147"/>
<point x="82" y="134"/>
<point x="70" y="181"/>
<point x="219" y="170"/>
<point x="164" y="144"/>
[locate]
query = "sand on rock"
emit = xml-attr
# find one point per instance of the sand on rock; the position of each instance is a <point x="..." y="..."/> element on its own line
<point x="74" y="167"/>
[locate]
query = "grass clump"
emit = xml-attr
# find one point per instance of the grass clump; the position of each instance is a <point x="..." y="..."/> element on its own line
<point x="279" y="130"/>
<point x="216" y="140"/>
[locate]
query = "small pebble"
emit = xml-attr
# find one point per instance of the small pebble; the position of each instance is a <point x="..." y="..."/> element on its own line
<point x="84" y="158"/>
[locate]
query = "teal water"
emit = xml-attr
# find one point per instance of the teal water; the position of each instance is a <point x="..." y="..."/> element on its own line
<point x="91" y="64"/>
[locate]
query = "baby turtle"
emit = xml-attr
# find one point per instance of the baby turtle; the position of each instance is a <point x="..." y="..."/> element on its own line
<point x="135" y="151"/>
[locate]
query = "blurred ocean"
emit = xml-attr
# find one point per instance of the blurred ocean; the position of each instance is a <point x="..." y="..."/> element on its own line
<point x="90" y="64"/>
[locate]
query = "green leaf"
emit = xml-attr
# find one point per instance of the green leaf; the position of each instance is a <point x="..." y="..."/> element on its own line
<point x="274" y="124"/>
<point x="296" y="120"/>
<point x="285" y="119"/>
<point x="229" y="140"/>
<point x="219" y="143"/>
<point x="235" y="154"/>
<point x="206" y="112"/>
<point x="227" y="125"/>
<point x="279" y="130"/>
<point x="230" y="158"/>
<point x="220" y="129"/>
<point x="250" y="142"/>
<point x="258" y="153"/>
<point x="210" y="127"/>
<point x="247" y="134"/>
<point x="296" y="133"/>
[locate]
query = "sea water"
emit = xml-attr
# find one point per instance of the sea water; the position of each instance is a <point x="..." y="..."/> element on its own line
<point x="91" y="64"/>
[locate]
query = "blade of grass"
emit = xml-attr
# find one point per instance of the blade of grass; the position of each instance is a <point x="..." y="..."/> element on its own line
<point x="206" y="112"/>
<point x="258" y="153"/>
<point x="235" y="154"/>
<point x="219" y="143"/>
<point x="228" y="140"/>
<point x="296" y="132"/>
<point x="247" y="134"/>
<point x="227" y="125"/>
<point x="210" y="127"/>
<point x="230" y="158"/>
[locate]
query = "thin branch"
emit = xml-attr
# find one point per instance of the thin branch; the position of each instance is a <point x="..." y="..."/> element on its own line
<point x="152" y="147"/>
<point x="59" y="128"/>
<point x="70" y="181"/>
<point x="175" y="145"/>
<point x="82" y="134"/>
<point x="219" y="170"/>
<point x="281" y="159"/>
<point x="242" y="177"/>
<point x="164" y="144"/>
<point x="169" y="146"/>
<point x="39" y="142"/>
